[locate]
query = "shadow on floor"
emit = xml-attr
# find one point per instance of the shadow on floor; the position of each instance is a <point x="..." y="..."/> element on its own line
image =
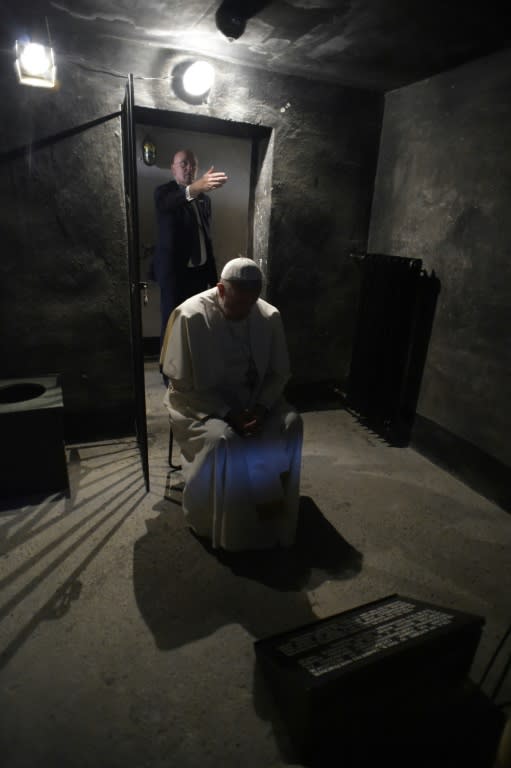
<point x="185" y="590"/>
<point x="319" y="553"/>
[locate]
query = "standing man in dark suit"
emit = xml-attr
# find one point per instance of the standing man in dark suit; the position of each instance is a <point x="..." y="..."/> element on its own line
<point x="183" y="260"/>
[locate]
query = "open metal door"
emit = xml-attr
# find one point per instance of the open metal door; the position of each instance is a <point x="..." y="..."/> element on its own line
<point x="131" y="195"/>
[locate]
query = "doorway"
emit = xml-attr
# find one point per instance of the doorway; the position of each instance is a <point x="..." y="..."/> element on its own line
<point x="230" y="204"/>
<point x="241" y="219"/>
<point x="242" y="151"/>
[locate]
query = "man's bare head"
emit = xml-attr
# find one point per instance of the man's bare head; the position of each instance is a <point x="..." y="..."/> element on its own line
<point x="184" y="166"/>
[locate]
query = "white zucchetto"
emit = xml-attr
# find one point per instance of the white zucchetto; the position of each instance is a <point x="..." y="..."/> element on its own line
<point x="241" y="269"/>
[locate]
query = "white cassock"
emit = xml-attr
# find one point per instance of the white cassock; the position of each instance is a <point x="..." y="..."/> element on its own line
<point x="241" y="492"/>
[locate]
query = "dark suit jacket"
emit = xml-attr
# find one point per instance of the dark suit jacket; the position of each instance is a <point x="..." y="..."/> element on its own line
<point x="177" y="240"/>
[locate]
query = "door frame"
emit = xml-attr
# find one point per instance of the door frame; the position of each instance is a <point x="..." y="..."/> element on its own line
<point x="261" y="138"/>
<point x="131" y="201"/>
<point x="258" y="239"/>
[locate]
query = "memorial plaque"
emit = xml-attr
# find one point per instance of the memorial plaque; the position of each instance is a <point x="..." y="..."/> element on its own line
<point x="387" y="662"/>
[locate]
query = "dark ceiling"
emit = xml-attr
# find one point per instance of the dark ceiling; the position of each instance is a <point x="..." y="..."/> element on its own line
<point x="374" y="44"/>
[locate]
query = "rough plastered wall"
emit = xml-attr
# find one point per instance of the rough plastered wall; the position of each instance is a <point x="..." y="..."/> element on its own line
<point x="443" y="194"/>
<point x="63" y="272"/>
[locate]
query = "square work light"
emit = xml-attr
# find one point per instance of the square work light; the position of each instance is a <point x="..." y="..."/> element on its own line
<point x="35" y="64"/>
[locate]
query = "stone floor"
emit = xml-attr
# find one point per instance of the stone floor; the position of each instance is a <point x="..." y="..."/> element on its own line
<point x="125" y="642"/>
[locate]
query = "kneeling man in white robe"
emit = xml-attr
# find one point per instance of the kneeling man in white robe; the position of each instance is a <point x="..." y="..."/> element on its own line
<point x="226" y="357"/>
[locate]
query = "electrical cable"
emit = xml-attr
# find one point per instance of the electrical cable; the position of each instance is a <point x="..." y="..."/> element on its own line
<point x="83" y="64"/>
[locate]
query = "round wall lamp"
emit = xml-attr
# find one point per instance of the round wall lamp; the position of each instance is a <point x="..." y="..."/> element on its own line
<point x="193" y="80"/>
<point x="198" y="78"/>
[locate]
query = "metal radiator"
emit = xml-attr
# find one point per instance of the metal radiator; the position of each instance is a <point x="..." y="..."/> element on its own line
<point x="388" y="348"/>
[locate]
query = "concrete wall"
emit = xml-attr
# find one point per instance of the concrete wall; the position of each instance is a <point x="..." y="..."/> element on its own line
<point x="443" y="194"/>
<point x="63" y="272"/>
<point x="63" y="275"/>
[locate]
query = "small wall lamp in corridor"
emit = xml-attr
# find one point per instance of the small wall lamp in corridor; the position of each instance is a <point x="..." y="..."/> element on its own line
<point x="35" y="64"/>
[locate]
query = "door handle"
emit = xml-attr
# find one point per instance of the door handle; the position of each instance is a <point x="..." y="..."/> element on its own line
<point x="143" y="287"/>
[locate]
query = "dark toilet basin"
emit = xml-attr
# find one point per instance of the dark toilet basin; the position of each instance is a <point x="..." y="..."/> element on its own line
<point x="17" y="393"/>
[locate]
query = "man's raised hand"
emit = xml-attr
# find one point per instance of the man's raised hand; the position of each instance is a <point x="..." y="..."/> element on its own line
<point x="208" y="181"/>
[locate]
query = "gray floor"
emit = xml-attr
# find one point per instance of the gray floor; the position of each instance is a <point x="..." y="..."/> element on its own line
<point x="126" y="643"/>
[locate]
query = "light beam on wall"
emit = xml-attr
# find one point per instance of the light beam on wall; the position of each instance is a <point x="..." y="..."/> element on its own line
<point x="35" y="65"/>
